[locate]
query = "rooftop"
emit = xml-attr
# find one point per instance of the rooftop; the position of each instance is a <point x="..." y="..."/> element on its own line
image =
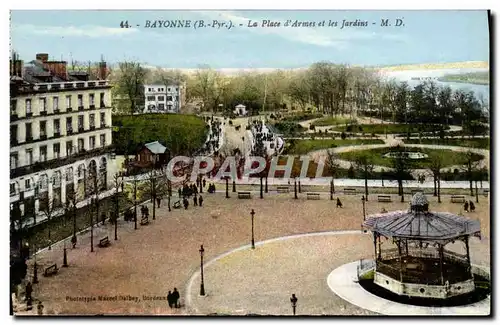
<point x="156" y="147"/>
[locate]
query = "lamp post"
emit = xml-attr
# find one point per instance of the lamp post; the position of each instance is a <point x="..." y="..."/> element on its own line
<point x="35" y="269"/>
<point x="234" y="185"/>
<point x="227" y="187"/>
<point x="293" y="300"/>
<point x="331" y="189"/>
<point x="91" y="226"/>
<point x="364" y="211"/>
<point x="253" y="240"/>
<point x="202" y="284"/>
<point x="65" y="256"/>
<point x="300" y="190"/>
<point x="295" y="188"/>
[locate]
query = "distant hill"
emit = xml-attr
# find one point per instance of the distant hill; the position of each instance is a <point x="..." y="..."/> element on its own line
<point x="436" y="66"/>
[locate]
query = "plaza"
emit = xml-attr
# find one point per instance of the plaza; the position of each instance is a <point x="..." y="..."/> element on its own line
<point x="157" y="257"/>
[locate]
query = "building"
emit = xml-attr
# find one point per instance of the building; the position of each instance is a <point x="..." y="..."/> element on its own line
<point x="160" y="98"/>
<point x="60" y="134"/>
<point x="240" y="110"/>
<point x="152" y="154"/>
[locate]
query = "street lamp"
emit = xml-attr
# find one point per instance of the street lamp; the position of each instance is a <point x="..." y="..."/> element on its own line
<point x="253" y="240"/>
<point x="295" y="187"/>
<point x="202" y="284"/>
<point x="364" y="211"/>
<point x="65" y="256"/>
<point x="35" y="269"/>
<point x="293" y="300"/>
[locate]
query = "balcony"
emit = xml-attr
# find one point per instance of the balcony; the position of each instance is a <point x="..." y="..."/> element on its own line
<point x="103" y="125"/>
<point x="43" y="136"/>
<point x="102" y="105"/>
<point x="57" y="134"/>
<point x="43" y="113"/>
<point x="29" y="114"/>
<point x="55" y="163"/>
<point x="69" y="109"/>
<point x="29" y="138"/>
<point x="13" y="142"/>
<point x="13" y="117"/>
<point x="80" y="108"/>
<point x="92" y="127"/>
<point x="80" y="129"/>
<point x="56" y="110"/>
<point x="92" y="106"/>
<point x="69" y="131"/>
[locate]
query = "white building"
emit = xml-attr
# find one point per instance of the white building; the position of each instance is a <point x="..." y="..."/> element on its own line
<point x="240" y="110"/>
<point x="163" y="98"/>
<point x="60" y="134"/>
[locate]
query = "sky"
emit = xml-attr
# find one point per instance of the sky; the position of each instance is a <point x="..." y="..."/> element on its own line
<point x="423" y="37"/>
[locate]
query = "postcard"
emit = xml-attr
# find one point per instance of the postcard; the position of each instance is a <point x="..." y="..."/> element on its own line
<point x="250" y="163"/>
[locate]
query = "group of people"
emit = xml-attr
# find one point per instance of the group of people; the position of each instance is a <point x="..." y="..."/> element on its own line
<point x="173" y="299"/>
<point x="197" y="201"/>
<point x="144" y="211"/>
<point x="469" y="206"/>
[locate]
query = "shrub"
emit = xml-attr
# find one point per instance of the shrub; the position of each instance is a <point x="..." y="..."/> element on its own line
<point x="343" y="135"/>
<point x="311" y="127"/>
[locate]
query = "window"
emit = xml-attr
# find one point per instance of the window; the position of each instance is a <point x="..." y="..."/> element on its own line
<point x="69" y="125"/>
<point x="80" y="101"/>
<point x="81" y="145"/>
<point x="161" y="107"/>
<point x="80" y="123"/>
<point x="177" y="89"/>
<point x="29" y="135"/>
<point x="92" y="142"/>
<point x="13" y="106"/>
<point x="27" y="184"/>
<point x="151" y="98"/>
<point x="57" y="126"/>
<point x="103" y="120"/>
<point x="68" y="101"/>
<point x="102" y="100"/>
<point x="43" y="129"/>
<point x="168" y="89"/>
<point x="149" y="89"/>
<point x="43" y="105"/>
<point x="103" y="140"/>
<point x="13" y="135"/>
<point x="91" y="99"/>
<point x="169" y="98"/>
<point x="56" y="148"/>
<point x="13" y="160"/>
<point x="29" y="156"/>
<point x="69" y="148"/>
<point x="55" y="104"/>
<point x="169" y="107"/>
<point x="161" y="98"/>
<point x="92" y="120"/>
<point x="43" y="153"/>
<point x="12" y="188"/>
<point x="69" y="175"/>
<point x="28" y="106"/>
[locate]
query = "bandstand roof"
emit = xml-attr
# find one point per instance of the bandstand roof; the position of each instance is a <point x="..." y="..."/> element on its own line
<point x="420" y="224"/>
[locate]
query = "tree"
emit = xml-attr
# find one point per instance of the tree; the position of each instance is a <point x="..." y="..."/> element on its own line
<point x="333" y="167"/>
<point x="470" y="166"/>
<point x="155" y="183"/>
<point x="402" y="167"/>
<point x="49" y="207"/>
<point x="129" y="84"/>
<point x="364" y="165"/>
<point x="436" y="163"/>
<point x="134" y="193"/>
<point x="118" y="182"/>
<point x="19" y="227"/>
<point x="70" y="207"/>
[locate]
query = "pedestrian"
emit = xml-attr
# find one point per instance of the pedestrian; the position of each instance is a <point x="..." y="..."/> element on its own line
<point x="73" y="241"/>
<point x="466" y="206"/>
<point x="200" y="200"/>
<point x="40" y="308"/>
<point x="158" y="201"/>
<point x="170" y="299"/>
<point x="204" y="183"/>
<point x="186" y="203"/>
<point x="29" y="291"/>
<point x="195" y="200"/>
<point x="472" y="206"/>
<point x="176" y="296"/>
<point x="195" y="189"/>
<point x="180" y="192"/>
<point x="339" y="204"/>
<point x="143" y="212"/>
<point x="146" y="211"/>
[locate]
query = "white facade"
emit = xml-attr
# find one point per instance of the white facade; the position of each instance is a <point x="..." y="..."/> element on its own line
<point x="162" y="98"/>
<point x="59" y="132"/>
<point x="240" y="110"/>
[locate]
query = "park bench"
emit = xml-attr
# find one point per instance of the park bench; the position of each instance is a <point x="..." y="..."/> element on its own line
<point x="144" y="221"/>
<point x="457" y="198"/>
<point x="244" y="195"/>
<point x="350" y="191"/>
<point x="51" y="270"/>
<point x="486" y="191"/>
<point x="283" y="189"/>
<point x="312" y="196"/>
<point x="384" y="198"/>
<point x="104" y="242"/>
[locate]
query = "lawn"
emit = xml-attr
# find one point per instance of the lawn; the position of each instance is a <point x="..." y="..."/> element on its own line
<point x="389" y="128"/>
<point x="182" y="134"/>
<point x="331" y="120"/>
<point x="301" y="117"/>
<point x="300" y="147"/>
<point x="450" y="157"/>
<point x="482" y="143"/>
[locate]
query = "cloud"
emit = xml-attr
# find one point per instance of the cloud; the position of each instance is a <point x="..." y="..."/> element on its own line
<point x="319" y="36"/>
<point x="92" y="31"/>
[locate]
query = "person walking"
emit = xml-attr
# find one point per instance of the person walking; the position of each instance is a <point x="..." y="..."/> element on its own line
<point x="204" y="183"/>
<point x="186" y="203"/>
<point x="339" y="204"/>
<point x="158" y="201"/>
<point x="472" y="207"/>
<point x="195" y="200"/>
<point x="466" y="206"/>
<point x="176" y="296"/>
<point x="170" y="299"/>
<point x="200" y="201"/>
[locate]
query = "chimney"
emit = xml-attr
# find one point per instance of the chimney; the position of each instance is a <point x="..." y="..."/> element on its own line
<point x="44" y="57"/>
<point x="103" y="70"/>
<point x="16" y="68"/>
<point x="57" y="68"/>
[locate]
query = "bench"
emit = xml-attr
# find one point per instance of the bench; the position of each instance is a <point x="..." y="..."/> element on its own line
<point x="350" y="191"/>
<point x="104" y="242"/>
<point x="486" y="192"/>
<point x="51" y="270"/>
<point x="144" y="221"/>
<point x="283" y="189"/>
<point x="244" y="195"/>
<point x="384" y="198"/>
<point x="458" y="199"/>
<point x="312" y="196"/>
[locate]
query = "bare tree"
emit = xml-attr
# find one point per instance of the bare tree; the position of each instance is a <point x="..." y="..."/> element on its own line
<point x="364" y="165"/>
<point x="470" y="166"/>
<point x="333" y="167"/>
<point x="129" y="84"/>
<point x="48" y="208"/>
<point x="118" y="183"/>
<point x="436" y="164"/>
<point x="402" y="167"/>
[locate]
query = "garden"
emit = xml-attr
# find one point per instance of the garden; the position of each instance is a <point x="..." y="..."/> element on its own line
<point x="301" y="147"/>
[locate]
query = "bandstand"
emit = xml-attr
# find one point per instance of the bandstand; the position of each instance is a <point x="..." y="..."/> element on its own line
<point x="411" y="255"/>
